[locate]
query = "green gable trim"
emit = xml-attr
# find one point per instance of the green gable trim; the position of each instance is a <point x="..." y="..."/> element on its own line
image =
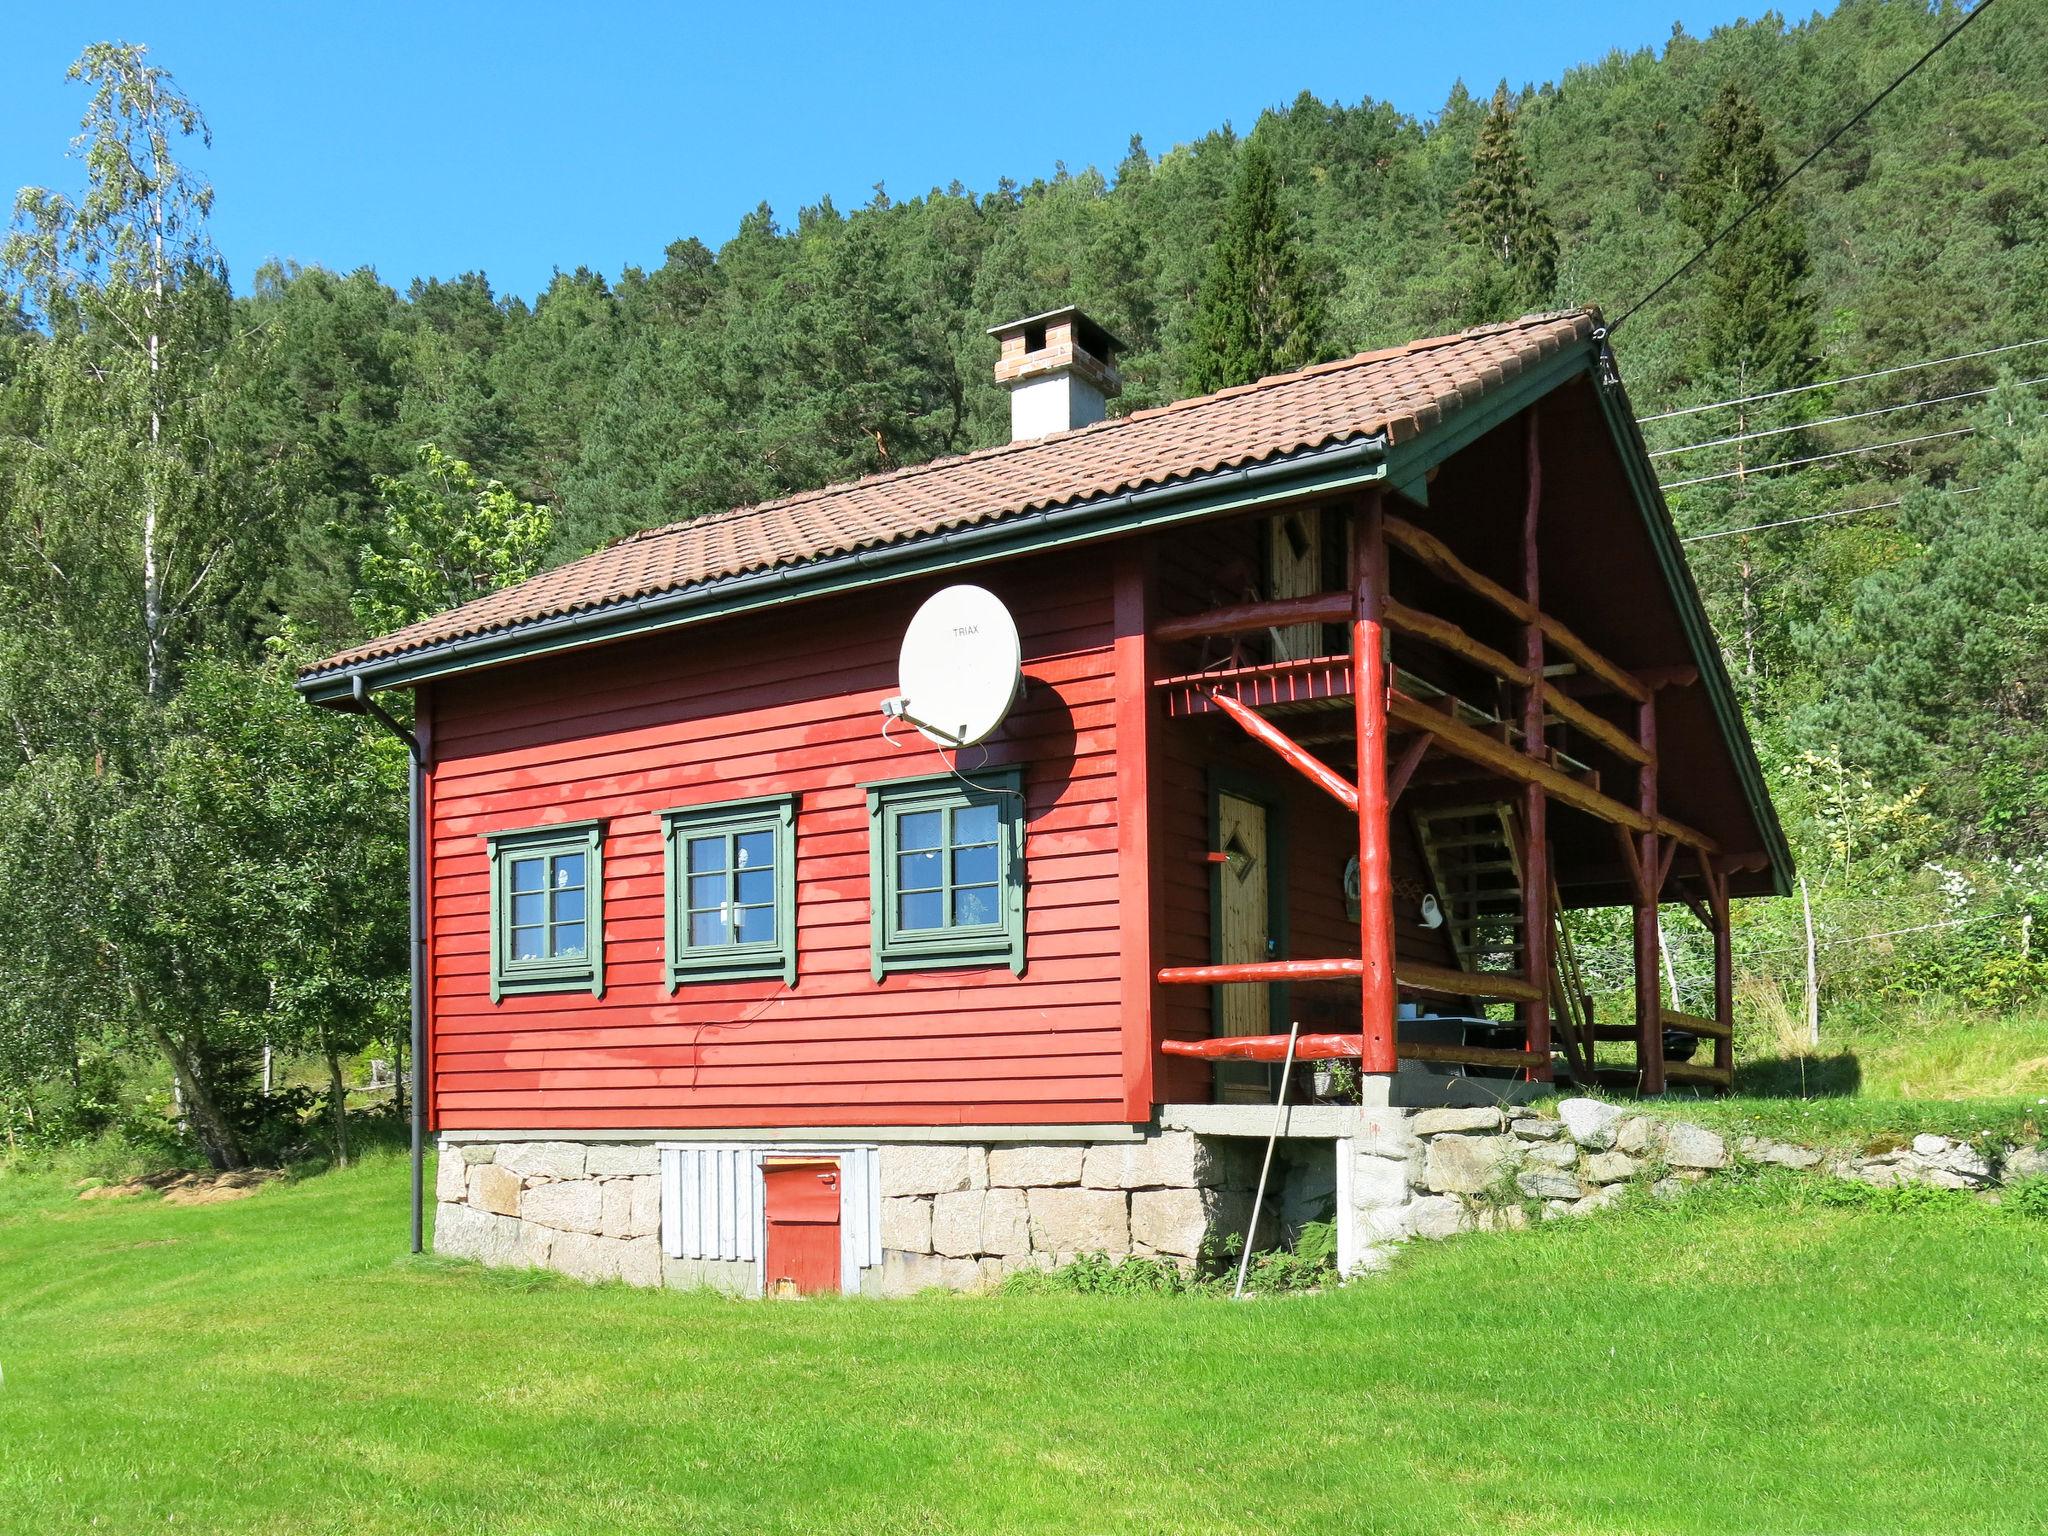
<point x="1000" y="942"/>
<point x="1409" y="462"/>
<point x="511" y="976"/>
<point x="772" y="815"/>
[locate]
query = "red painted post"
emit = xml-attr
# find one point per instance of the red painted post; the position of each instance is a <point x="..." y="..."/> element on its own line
<point x="1135" y="719"/>
<point x="1369" y="683"/>
<point x="1536" y="914"/>
<point x="1649" y="971"/>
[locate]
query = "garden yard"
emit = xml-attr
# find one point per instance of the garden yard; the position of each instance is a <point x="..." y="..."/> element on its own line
<point x="1775" y="1354"/>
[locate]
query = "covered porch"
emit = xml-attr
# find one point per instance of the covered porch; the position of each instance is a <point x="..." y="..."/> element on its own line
<point x="1431" y="684"/>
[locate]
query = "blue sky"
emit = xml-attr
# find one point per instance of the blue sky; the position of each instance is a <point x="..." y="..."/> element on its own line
<point x="516" y="137"/>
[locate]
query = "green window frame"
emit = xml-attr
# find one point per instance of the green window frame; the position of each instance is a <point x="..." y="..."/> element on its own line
<point x="731" y="900"/>
<point x="946" y="872"/>
<point x="547" y="910"/>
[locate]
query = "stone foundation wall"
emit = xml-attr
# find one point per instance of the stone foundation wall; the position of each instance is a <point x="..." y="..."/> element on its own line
<point x="955" y="1216"/>
<point x="964" y="1217"/>
<point x="1436" y="1172"/>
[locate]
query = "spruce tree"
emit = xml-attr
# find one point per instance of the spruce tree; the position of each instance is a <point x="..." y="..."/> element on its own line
<point x="1498" y="208"/>
<point x="1260" y="309"/>
<point x="1757" y="324"/>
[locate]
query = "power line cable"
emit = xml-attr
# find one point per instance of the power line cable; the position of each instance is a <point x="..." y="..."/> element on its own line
<point x="1814" y="517"/>
<point x="1847" y="378"/>
<point x="1818" y="458"/>
<point x="1835" y="421"/>
<point x="1822" y="148"/>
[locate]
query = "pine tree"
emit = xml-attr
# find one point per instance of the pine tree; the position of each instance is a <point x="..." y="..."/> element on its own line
<point x="1498" y="208"/>
<point x="1758" y="322"/>
<point x="1260" y="309"/>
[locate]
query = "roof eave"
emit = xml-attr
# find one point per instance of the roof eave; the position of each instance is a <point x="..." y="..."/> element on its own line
<point x="1354" y="462"/>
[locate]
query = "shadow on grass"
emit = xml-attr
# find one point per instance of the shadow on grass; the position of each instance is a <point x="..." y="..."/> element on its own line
<point x="1801" y="1077"/>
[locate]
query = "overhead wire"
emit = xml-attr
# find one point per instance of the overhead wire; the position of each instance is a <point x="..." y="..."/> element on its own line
<point x="1820" y="149"/>
<point x="1815" y="517"/>
<point x="1847" y="378"/>
<point x="1817" y="458"/>
<point x="1835" y="421"/>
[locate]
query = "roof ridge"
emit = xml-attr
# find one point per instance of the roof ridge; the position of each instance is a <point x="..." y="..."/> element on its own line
<point x="908" y="472"/>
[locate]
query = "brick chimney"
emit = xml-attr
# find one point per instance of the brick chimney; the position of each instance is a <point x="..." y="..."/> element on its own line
<point x="1060" y="368"/>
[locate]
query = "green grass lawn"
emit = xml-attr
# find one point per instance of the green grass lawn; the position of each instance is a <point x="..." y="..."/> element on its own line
<point x="1748" y="1360"/>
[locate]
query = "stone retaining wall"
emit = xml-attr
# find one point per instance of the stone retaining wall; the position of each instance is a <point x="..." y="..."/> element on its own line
<point x="1436" y="1172"/>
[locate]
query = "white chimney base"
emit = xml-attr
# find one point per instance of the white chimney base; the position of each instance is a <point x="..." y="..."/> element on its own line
<point x="1056" y="402"/>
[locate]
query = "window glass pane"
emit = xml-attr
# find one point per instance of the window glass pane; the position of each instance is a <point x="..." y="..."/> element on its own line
<point x="708" y="928"/>
<point x="975" y="866"/>
<point x="707" y="891"/>
<point x="757" y="925"/>
<point x="756" y="850"/>
<point x="974" y="824"/>
<point x="974" y="905"/>
<point x="706" y="853"/>
<point x="919" y="829"/>
<point x="569" y="906"/>
<point x="527" y="944"/>
<point x="917" y="871"/>
<point x="526" y="874"/>
<point x="568" y="869"/>
<point x="569" y="941"/>
<point x="920" y="910"/>
<point x="756" y="886"/>
<point x="528" y="908"/>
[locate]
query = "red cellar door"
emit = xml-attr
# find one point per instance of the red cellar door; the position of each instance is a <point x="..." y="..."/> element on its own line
<point x="801" y="1198"/>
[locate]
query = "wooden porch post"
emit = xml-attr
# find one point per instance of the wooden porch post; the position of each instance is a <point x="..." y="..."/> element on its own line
<point x="1724" y="970"/>
<point x="1649" y="885"/>
<point x="1536" y="916"/>
<point x="1369" y="683"/>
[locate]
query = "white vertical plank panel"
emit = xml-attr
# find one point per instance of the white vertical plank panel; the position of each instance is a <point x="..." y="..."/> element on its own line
<point x="672" y="1202"/>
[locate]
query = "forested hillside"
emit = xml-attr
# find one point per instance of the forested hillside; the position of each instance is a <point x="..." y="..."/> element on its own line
<point x="207" y="477"/>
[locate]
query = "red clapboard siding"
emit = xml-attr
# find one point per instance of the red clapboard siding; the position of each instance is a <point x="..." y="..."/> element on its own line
<point x="772" y="704"/>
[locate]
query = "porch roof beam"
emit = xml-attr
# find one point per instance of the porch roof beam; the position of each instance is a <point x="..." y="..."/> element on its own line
<point x="1476" y="746"/>
<point x="1249" y="618"/>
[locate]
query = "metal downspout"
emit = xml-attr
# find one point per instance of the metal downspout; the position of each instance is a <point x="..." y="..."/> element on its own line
<point x="415" y="865"/>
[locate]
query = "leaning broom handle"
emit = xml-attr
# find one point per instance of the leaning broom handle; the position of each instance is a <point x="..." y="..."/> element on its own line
<point x="1244" y="1263"/>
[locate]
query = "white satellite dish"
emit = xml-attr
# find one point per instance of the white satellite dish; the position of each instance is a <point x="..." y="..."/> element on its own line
<point x="960" y="669"/>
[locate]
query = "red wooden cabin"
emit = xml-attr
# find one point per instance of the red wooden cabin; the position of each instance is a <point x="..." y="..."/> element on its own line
<point x="676" y="883"/>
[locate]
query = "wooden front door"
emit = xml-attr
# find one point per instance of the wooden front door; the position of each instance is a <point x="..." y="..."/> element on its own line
<point x="1244" y="934"/>
<point x="1294" y="568"/>
<point x="801" y="1201"/>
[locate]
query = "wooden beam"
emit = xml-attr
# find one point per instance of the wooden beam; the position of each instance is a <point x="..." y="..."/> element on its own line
<point x="1340" y="969"/>
<point x="1326" y="1047"/>
<point x="1476" y="746"/>
<point x="1449" y="981"/>
<point x="1264" y="732"/>
<point x="1648" y="936"/>
<point x="1441" y="632"/>
<point x="1606" y="732"/>
<point x="1433" y="553"/>
<point x="1693" y="1024"/>
<point x="1248" y="618"/>
<point x="1404" y="770"/>
<point x="1711" y="1077"/>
